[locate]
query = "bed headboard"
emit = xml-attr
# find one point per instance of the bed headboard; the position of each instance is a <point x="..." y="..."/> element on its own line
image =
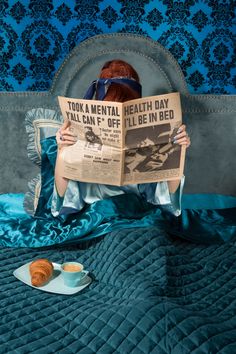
<point x="210" y="119"/>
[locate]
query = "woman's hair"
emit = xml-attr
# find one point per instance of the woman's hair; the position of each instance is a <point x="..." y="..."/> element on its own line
<point x="119" y="92"/>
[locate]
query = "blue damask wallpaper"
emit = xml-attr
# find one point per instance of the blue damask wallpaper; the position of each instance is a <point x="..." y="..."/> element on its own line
<point x="36" y="36"/>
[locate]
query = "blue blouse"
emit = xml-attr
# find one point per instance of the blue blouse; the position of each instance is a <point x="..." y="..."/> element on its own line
<point x="80" y="193"/>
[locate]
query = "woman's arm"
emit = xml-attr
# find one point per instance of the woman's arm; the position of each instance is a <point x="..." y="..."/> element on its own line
<point x="181" y="138"/>
<point x="64" y="137"/>
<point x="60" y="182"/>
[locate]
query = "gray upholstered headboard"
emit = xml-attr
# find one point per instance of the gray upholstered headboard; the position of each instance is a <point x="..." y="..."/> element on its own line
<point x="211" y="119"/>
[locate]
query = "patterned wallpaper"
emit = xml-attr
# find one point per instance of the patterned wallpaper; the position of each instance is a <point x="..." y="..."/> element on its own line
<point x="36" y="36"/>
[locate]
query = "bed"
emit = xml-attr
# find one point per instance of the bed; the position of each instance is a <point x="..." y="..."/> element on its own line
<point x="160" y="284"/>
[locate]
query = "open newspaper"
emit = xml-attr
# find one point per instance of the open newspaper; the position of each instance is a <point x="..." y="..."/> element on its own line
<point x="123" y="143"/>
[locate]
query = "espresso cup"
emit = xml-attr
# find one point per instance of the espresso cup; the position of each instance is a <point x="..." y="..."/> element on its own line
<point x="72" y="273"/>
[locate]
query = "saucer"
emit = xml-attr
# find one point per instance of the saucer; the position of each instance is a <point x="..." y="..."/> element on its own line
<point x="56" y="284"/>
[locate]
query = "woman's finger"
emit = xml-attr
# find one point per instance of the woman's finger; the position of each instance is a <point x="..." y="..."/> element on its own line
<point x="66" y="143"/>
<point x="180" y="135"/>
<point x="66" y="132"/>
<point x="183" y="141"/>
<point x="181" y="128"/>
<point x="66" y="137"/>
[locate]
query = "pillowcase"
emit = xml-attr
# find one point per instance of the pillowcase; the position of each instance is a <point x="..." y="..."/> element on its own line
<point x="40" y="124"/>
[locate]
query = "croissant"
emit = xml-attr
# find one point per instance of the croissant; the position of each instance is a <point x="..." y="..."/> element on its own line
<point x="40" y="271"/>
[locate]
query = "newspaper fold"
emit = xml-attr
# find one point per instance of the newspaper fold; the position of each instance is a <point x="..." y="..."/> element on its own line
<point x="123" y="143"/>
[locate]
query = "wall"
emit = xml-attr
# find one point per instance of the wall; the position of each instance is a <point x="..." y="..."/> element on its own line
<point x="36" y="36"/>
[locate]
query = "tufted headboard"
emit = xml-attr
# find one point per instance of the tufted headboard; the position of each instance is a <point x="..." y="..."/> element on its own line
<point x="210" y="119"/>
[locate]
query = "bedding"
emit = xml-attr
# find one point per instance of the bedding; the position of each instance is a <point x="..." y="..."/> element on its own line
<point x="160" y="283"/>
<point x="126" y="211"/>
<point x="151" y="293"/>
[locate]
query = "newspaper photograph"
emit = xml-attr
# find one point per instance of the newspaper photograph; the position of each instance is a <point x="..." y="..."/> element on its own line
<point x="123" y="143"/>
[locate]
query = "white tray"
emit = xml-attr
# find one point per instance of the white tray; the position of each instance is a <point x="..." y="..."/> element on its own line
<point x="55" y="285"/>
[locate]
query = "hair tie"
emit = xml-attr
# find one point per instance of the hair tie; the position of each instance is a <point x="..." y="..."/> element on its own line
<point x="100" y="86"/>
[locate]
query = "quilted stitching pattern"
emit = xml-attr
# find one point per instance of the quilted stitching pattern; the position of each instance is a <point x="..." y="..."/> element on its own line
<point x="150" y="294"/>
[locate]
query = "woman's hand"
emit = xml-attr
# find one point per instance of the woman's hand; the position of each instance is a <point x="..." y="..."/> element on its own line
<point x="64" y="136"/>
<point x="182" y="137"/>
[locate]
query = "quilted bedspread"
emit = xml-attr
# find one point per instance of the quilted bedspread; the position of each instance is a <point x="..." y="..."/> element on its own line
<point x="151" y="293"/>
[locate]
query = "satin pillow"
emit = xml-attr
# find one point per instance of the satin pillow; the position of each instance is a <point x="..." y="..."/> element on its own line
<point x="40" y="123"/>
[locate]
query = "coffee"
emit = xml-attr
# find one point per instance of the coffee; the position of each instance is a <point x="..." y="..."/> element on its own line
<point x="72" y="268"/>
<point x="72" y="273"/>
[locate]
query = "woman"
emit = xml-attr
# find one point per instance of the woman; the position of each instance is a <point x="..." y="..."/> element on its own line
<point x="121" y="84"/>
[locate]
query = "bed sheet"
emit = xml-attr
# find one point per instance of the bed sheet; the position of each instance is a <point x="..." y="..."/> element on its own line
<point x="214" y="223"/>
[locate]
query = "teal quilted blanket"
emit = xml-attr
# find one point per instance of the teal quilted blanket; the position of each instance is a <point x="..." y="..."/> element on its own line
<point x="160" y="284"/>
<point x="151" y="293"/>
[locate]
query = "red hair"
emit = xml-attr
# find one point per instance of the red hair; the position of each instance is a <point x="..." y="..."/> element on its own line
<point x="119" y="92"/>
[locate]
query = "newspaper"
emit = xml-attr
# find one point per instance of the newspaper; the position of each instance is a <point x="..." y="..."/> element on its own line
<point x="123" y="143"/>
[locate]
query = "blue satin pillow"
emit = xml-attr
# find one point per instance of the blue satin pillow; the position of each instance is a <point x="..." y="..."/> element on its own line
<point x="40" y="124"/>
